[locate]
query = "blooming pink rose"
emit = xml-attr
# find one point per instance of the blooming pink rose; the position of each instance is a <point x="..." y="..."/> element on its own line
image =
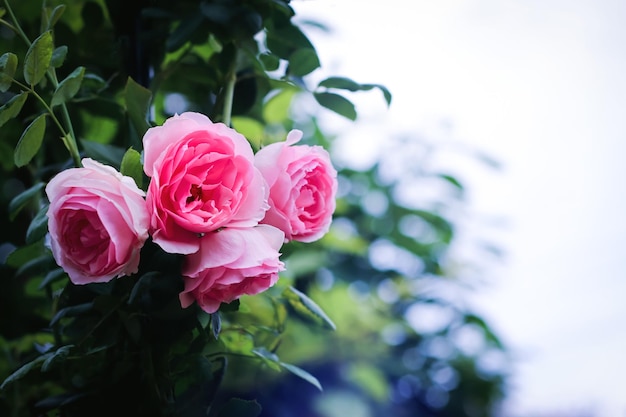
<point x="303" y="185"/>
<point x="98" y="222"/>
<point x="203" y="178"/>
<point x="230" y="263"/>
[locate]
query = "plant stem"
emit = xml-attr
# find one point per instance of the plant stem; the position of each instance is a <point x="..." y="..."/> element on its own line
<point x="228" y="97"/>
<point x="69" y="137"/>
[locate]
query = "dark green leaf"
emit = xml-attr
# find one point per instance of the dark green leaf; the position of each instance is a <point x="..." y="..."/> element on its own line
<point x="270" y="61"/>
<point x="131" y="166"/>
<point x="337" y="103"/>
<point x="72" y="311"/>
<point x="137" y="100"/>
<point x="68" y="87"/>
<point x="38" y="226"/>
<point x="60" y="354"/>
<point x="55" y="15"/>
<point x="12" y="107"/>
<point x="52" y="276"/>
<point x="302" y="374"/>
<point x="24" y="254"/>
<point x="35" y="266"/>
<point x="30" y="141"/>
<point x="142" y="285"/>
<point x="19" y="201"/>
<point x="107" y="154"/>
<point x="184" y="32"/>
<point x="307" y="308"/>
<point x="38" y="58"/>
<point x="58" y="56"/>
<point x="24" y="370"/>
<point x="303" y="61"/>
<point x="236" y="407"/>
<point x="8" y="65"/>
<point x="343" y="83"/>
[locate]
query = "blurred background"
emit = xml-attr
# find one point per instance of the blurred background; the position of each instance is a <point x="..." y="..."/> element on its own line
<point x="538" y="87"/>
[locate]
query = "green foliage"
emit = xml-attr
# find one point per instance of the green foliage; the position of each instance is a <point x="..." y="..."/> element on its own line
<point x="126" y="347"/>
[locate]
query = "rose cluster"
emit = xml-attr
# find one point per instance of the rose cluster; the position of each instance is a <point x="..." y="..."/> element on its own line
<point x="227" y="210"/>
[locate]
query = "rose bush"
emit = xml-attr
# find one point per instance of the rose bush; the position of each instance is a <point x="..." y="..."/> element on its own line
<point x="98" y="222"/>
<point x="303" y="186"/>
<point x="231" y="263"/>
<point x="202" y="178"/>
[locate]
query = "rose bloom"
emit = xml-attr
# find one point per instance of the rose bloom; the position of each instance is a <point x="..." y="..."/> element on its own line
<point x="202" y="178"/>
<point x="98" y="222"/>
<point x="231" y="263"/>
<point x="303" y="185"/>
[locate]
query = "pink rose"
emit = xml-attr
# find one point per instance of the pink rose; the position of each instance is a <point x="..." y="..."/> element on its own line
<point x="303" y="185"/>
<point x="203" y="178"/>
<point x="230" y="263"/>
<point x="98" y="222"/>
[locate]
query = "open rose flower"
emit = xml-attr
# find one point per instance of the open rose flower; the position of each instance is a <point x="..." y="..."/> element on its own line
<point x="203" y="178"/>
<point x="303" y="185"/>
<point x="231" y="263"/>
<point x="98" y="222"/>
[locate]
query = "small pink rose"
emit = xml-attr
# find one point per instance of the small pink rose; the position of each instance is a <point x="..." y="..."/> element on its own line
<point x="303" y="186"/>
<point x="231" y="263"/>
<point x="203" y="178"/>
<point x="98" y="222"/>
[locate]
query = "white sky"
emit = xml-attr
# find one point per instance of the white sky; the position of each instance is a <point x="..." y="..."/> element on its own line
<point x="541" y="86"/>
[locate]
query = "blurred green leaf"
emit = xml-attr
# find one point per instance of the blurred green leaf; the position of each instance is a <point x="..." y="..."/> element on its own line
<point x="72" y="311"/>
<point x="19" y="201"/>
<point x="303" y="61"/>
<point x="336" y="103"/>
<point x="53" y="17"/>
<point x="344" y="83"/>
<point x="131" y="166"/>
<point x="302" y="374"/>
<point x="58" y="355"/>
<point x="51" y="277"/>
<point x="30" y="141"/>
<point x="251" y="128"/>
<point x="278" y="106"/>
<point x="38" y="58"/>
<point x="8" y="66"/>
<point x="107" y="154"/>
<point x="24" y="370"/>
<point x="137" y="99"/>
<point x="270" y="61"/>
<point x="58" y="56"/>
<point x="68" y="88"/>
<point x="12" y="107"/>
<point x="38" y="227"/>
<point x="307" y="308"/>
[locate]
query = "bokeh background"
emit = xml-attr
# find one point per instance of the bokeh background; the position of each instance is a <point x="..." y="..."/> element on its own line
<point x="539" y="87"/>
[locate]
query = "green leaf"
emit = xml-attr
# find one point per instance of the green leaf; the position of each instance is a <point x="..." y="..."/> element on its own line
<point x="270" y="61"/>
<point x="137" y="100"/>
<point x="58" y="56"/>
<point x="307" y="308"/>
<point x="336" y="103"/>
<point x="344" y="83"/>
<point x="38" y="226"/>
<point x="68" y="88"/>
<point x="131" y="166"/>
<point x="56" y="356"/>
<point x="278" y="106"/>
<point x="12" y="107"/>
<point x="54" y="17"/>
<point x="30" y="141"/>
<point x="302" y="374"/>
<point x="8" y="66"/>
<point x="251" y="128"/>
<point x="24" y="370"/>
<point x="303" y="61"/>
<point x="52" y="276"/>
<point x="236" y="407"/>
<point x="72" y="311"/>
<point x="38" y="58"/>
<point x="107" y="154"/>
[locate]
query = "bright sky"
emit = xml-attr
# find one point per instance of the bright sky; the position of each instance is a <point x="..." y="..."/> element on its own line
<point x="541" y="86"/>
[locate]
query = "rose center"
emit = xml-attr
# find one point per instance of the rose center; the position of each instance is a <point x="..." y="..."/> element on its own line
<point x="195" y="193"/>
